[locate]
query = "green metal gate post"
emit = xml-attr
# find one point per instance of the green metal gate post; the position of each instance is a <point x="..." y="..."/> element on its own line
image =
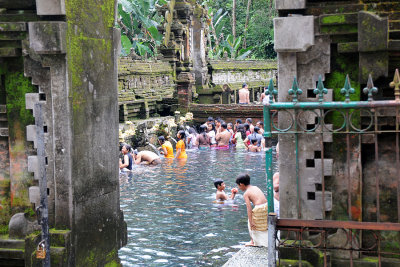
<point x="268" y="144"/>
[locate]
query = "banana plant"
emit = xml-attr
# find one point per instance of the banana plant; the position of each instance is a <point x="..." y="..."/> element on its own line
<point x="138" y="21"/>
<point x="232" y="47"/>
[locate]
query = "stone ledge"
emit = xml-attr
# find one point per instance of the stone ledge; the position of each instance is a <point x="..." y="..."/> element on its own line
<point x="249" y="256"/>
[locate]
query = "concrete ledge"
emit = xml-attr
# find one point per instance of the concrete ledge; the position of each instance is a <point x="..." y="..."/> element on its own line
<point x="31" y="134"/>
<point x="50" y="7"/>
<point x="290" y="4"/>
<point x="33" y="166"/>
<point x="30" y="100"/>
<point x="34" y="195"/>
<point x="47" y="37"/>
<point x="249" y="256"/>
<point x="293" y="34"/>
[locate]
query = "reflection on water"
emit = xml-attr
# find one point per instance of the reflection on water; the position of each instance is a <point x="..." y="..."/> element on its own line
<point x="171" y="214"/>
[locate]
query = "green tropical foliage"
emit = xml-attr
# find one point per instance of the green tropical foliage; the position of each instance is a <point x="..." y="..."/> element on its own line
<point x="138" y="21"/>
<point x="260" y="33"/>
<point x="232" y="47"/>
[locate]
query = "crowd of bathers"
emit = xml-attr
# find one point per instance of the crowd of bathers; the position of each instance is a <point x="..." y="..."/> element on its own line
<point x="213" y="134"/>
<point x="217" y="134"/>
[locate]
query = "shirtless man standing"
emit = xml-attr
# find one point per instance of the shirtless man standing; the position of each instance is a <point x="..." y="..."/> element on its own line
<point x="148" y="157"/>
<point x="244" y="95"/>
<point x="223" y="137"/>
<point x="249" y="121"/>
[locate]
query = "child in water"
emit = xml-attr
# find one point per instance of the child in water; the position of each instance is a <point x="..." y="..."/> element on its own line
<point x="221" y="195"/>
<point x="180" y="146"/>
<point x="257" y="216"/>
<point x="253" y="146"/>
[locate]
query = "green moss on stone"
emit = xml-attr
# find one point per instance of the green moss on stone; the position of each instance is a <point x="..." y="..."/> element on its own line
<point x="339" y="29"/>
<point x="340" y="18"/>
<point x="3" y="229"/>
<point x="17" y="85"/>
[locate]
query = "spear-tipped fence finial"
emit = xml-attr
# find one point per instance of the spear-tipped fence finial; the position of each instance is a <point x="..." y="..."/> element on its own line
<point x="295" y="90"/>
<point x="347" y="89"/>
<point x="396" y="85"/>
<point x="320" y="90"/>
<point x="271" y="91"/>
<point x="370" y="89"/>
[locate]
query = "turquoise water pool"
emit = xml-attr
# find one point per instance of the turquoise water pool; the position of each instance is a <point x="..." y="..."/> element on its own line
<point x="171" y="214"/>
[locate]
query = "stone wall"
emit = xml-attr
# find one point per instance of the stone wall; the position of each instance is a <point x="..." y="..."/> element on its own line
<point x="63" y="55"/>
<point x="145" y="89"/>
<point x="149" y="88"/>
<point x="227" y="77"/>
<point x="319" y="38"/>
<point x="332" y="39"/>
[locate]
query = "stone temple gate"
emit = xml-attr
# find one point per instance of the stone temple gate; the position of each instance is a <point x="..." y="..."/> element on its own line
<point x="63" y="55"/>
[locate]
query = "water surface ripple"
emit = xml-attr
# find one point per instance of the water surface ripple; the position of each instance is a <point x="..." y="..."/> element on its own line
<point x="171" y="215"/>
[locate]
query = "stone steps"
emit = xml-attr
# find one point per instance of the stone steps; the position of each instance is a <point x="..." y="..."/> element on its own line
<point x="11" y="33"/>
<point x="11" y="256"/>
<point x="18" y="17"/>
<point x="9" y="52"/>
<point x="12" y="243"/>
<point x="18" y="4"/>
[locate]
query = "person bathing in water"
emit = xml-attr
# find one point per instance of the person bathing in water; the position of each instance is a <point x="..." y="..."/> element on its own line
<point x="221" y="195"/>
<point x="257" y="216"/>
<point x="180" y="146"/>
<point x="146" y="157"/>
<point x="253" y="146"/>
<point x="203" y="140"/>
<point x="126" y="162"/>
<point x="166" y="147"/>
<point x="223" y="137"/>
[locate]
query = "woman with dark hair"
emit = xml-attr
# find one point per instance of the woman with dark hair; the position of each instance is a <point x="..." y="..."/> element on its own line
<point x="166" y="147"/>
<point x="180" y="146"/>
<point x="211" y="134"/>
<point x="191" y="140"/>
<point x="240" y="135"/>
<point x="126" y="162"/>
<point x="203" y="140"/>
<point x="247" y="131"/>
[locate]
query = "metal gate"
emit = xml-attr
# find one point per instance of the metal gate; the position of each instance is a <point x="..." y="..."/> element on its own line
<point x="295" y="232"/>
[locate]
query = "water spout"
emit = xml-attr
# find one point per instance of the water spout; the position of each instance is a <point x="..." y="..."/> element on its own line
<point x="154" y="148"/>
<point x="173" y="139"/>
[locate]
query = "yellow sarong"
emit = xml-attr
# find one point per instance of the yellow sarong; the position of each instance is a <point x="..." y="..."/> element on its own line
<point x="260" y="217"/>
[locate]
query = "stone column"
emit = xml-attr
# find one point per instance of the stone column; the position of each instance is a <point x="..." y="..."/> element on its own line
<point x="185" y="82"/>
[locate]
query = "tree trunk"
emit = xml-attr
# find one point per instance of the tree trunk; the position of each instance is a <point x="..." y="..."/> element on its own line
<point x="234" y="19"/>
<point x="213" y="30"/>
<point x="247" y="22"/>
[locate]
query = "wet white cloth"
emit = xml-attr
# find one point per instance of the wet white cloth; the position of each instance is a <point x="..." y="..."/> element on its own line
<point x="260" y="218"/>
<point x="211" y="134"/>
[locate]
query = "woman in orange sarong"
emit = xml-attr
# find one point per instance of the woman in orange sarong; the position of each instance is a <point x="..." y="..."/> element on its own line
<point x="166" y="147"/>
<point x="180" y="146"/>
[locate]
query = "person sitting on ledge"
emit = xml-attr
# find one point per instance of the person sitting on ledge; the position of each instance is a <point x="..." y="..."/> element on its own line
<point x="244" y="95"/>
<point x="146" y="157"/>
